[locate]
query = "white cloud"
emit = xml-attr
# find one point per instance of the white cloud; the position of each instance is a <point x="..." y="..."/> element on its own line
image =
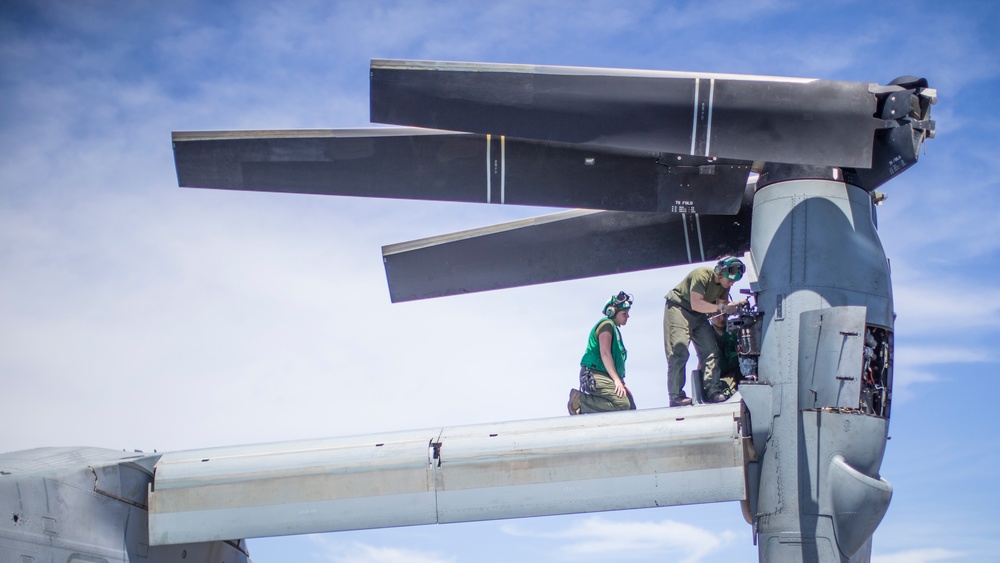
<point x="356" y="552"/>
<point x="924" y="555"/>
<point x="924" y="355"/>
<point x="925" y="364"/>
<point x="904" y="381"/>
<point x="599" y="538"/>
<point x="921" y="313"/>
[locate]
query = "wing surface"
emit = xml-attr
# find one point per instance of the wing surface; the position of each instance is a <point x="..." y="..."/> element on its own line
<point x="633" y="459"/>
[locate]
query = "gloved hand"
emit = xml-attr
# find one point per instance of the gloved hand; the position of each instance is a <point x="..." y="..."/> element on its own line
<point x="734" y="307"/>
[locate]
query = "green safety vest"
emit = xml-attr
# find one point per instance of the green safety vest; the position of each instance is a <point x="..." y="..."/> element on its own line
<point x="592" y="357"/>
<point x="729" y="357"/>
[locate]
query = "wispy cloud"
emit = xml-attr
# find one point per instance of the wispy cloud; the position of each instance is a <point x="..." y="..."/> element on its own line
<point x="600" y="538"/>
<point x="356" y="552"/>
<point x="924" y="364"/>
<point x="924" y="555"/>
<point x="924" y="355"/>
<point x="904" y="381"/>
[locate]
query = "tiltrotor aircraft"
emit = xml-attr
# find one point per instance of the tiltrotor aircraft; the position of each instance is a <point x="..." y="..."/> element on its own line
<point x="674" y="168"/>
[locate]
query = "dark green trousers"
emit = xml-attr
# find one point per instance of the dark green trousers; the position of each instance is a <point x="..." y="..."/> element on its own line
<point x="681" y="328"/>
<point x="603" y="398"/>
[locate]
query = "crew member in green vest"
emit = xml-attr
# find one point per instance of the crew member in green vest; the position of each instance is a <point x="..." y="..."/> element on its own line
<point x="704" y="292"/>
<point x="729" y="356"/>
<point x="602" y="368"/>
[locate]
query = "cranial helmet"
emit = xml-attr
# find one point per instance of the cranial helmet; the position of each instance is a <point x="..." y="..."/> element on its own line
<point x="620" y="302"/>
<point x="731" y="268"/>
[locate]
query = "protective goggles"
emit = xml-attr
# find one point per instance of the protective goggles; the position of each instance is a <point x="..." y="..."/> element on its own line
<point x="734" y="271"/>
<point x="622" y="300"/>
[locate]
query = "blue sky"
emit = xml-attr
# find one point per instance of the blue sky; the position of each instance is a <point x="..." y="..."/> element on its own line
<point x="138" y="315"/>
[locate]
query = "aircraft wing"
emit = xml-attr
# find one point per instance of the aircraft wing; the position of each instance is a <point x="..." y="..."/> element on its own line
<point x="564" y="465"/>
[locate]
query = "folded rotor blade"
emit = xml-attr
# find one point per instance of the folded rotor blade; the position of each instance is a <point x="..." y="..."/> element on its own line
<point x="563" y="246"/>
<point x="773" y="119"/>
<point x="411" y="163"/>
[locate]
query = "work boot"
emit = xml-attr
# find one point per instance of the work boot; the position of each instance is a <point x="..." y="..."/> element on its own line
<point x="717" y="398"/>
<point x="574" y="402"/>
<point x="682" y="402"/>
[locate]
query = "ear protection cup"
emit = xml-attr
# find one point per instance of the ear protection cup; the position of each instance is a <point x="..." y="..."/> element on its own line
<point x="622" y="301"/>
<point x="719" y="267"/>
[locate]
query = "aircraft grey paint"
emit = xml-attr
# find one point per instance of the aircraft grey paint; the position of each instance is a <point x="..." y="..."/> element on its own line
<point x="665" y="159"/>
<point x="824" y="285"/>
<point x="611" y="461"/>
<point x="87" y="505"/>
<point x="94" y="505"/>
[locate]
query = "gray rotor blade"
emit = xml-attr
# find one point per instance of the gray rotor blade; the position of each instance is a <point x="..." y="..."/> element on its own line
<point x="563" y="246"/>
<point x="774" y="119"/>
<point x="411" y="163"/>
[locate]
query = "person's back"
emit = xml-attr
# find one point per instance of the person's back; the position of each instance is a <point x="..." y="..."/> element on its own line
<point x="701" y="281"/>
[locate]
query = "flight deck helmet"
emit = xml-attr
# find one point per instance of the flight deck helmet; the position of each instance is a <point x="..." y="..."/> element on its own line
<point x="732" y="268"/>
<point x="620" y="302"/>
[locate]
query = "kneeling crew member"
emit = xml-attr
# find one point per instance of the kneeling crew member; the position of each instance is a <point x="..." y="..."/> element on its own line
<point x="602" y="368"/>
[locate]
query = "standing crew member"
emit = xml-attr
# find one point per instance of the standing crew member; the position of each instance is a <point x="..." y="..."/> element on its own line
<point x="704" y="292"/>
<point x="602" y="368"/>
